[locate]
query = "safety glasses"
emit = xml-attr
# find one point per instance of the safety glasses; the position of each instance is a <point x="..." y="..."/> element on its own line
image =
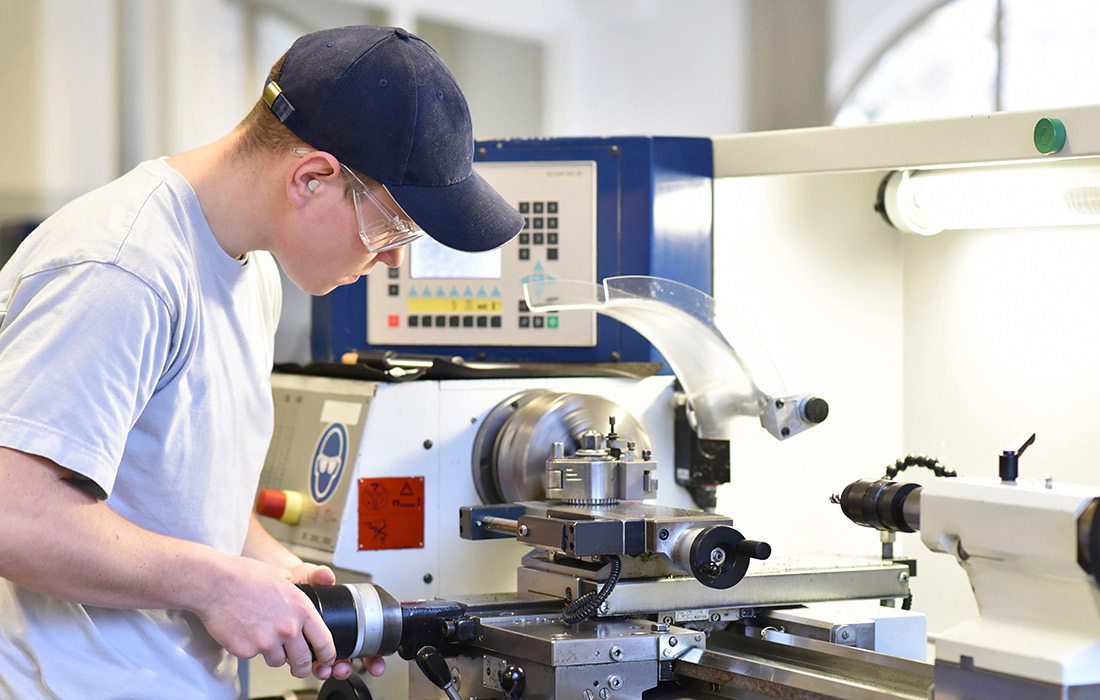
<point x="382" y="226"/>
<point x="390" y="228"/>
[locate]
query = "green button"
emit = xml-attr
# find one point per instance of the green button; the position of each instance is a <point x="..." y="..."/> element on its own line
<point x="1050" y="135"/>
<point x="551" y="321"/>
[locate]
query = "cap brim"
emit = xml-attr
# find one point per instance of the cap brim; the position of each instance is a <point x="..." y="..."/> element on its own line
<point x="469" y="216"/>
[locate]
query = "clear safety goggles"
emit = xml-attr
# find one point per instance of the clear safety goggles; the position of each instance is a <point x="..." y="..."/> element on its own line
<point x="389" y="228"/>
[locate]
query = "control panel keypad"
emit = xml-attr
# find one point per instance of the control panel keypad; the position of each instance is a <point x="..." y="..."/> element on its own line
<point x="554" y="198"/>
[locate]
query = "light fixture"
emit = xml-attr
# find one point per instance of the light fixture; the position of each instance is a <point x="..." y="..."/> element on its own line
<point x="1061" y="193"/>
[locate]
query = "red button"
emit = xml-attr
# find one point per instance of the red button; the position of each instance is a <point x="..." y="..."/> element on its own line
<point x="271" y="502"/>
<point x="394" y="320"/>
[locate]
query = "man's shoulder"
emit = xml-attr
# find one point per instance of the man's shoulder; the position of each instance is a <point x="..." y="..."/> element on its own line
<point x="139" y="222"/>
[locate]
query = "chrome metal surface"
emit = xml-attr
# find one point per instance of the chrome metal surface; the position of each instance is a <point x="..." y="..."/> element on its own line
<point x="547" y="640"/>
<point x="517" y="437"/>
<point x="853" y="632"/>
<point x="769" y="587"/>
<point x="737" y="666"/>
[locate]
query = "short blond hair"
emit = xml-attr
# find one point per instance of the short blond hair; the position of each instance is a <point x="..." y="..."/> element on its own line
<point x="262" y="132"/>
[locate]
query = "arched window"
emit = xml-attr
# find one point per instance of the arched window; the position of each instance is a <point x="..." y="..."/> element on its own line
<point x="976" y="56"/>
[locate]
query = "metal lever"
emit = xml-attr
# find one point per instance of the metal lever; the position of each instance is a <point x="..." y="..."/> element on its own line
<point x="435" y="669"/>
<point x="1009" y="462"/>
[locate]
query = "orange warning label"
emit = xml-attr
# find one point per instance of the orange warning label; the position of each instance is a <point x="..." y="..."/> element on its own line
<point x="391" y="513"/>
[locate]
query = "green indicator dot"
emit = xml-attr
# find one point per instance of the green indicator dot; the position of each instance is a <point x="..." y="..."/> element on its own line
<point x="551" y="321"/>
<point x="1050" y="135"/>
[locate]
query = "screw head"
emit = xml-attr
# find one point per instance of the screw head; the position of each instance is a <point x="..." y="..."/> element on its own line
<point x="428" y="578"/>
<point x="673" y="641"/>
<point x="524" y="530"/>
<point x="663" y="534"/>
<point x="614" y="682"/>
<point x="616" y="653"/>
<point x="667" y="620"/>
<point x="427" y="444"/>
<point x="715" y="617"/>
<point x="903" y="576"/>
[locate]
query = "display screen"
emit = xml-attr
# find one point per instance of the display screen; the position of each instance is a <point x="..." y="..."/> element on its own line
<point x="431" y="260"/>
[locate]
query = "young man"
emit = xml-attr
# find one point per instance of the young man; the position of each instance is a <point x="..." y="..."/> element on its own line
<point x="136" y="343"/>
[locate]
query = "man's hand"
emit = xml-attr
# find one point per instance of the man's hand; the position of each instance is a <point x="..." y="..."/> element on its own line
<point x="317" y="575"/>
<point x="257" y="610"/>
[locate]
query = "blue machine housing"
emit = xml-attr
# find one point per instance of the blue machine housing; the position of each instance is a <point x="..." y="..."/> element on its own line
<point x="642" y="228"/>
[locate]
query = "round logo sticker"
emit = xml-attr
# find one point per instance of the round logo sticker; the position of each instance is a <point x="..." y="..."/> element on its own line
<point x="328" y="462"/>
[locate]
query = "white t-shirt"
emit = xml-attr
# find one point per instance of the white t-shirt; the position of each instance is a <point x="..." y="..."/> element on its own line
<point x="136" y="352"/>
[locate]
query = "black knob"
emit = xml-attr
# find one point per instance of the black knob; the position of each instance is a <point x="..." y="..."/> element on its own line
<point x="716" y="557"/>
<point x="754" y="549"/>
<point x="513" y="681"/>
<point x="434" y="666"/>
<point x="815" y="410"/>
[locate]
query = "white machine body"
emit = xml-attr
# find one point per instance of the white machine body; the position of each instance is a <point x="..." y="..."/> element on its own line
<point x="423" y="430"/>
<point x="1039" y="610"/>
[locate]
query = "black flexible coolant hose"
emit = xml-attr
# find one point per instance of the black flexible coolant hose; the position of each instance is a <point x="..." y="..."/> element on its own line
<point x="583" y="607"/>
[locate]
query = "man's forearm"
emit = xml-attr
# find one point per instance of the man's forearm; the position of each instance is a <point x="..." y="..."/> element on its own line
<point x="62" y="542"/>
<point x="259" y="544"/>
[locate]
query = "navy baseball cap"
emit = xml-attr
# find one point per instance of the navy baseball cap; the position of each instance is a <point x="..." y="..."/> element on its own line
<point x="381" y="101"/>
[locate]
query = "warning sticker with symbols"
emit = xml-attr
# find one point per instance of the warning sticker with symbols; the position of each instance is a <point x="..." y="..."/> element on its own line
<point x="391" y="513"/>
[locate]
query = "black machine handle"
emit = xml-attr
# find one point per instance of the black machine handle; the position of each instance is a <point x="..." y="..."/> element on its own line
<point x="1009" y="461"/>
<point x="435" y="669"/>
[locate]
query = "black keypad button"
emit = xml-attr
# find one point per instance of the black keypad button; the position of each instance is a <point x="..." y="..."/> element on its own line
<point x="467" y="321"/>
<point x="394" y="273"/>
<point x="551" y="207"/>
<point x="495" y="321"/>
<point x="482" y="321"/>
<point x="453" y="321"/>
<point x="414" y="321"/>
<point x="395" y="290"/>
<point x="440" y="321"/>
<point x="551" y="253"/>
<point x="537" y="238"/>
<point x="426" y="321"/>
<point x="552" y="238"/>
<point x="537" y="207"/>
<point x="551" y="222"/>
<point x="538" y="321"/>
<point x="524" y="321"/>
<point x="538" y="222"/>
<point x="525" y="239"/>
<point x="526" y="222"/>
<point x="524" y="253"/>
<point x="523" y="308"/>
<point x="524" y="207"/>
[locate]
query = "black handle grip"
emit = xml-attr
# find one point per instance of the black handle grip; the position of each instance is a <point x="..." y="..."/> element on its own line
<point x="434" y="666"/>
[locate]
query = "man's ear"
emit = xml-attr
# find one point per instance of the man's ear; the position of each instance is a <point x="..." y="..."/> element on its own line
<point x="311" y="174"/>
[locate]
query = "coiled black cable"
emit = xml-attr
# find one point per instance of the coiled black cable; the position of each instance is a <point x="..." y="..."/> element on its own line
<point x="583" y="607"/>
<point x="918" y="461"/>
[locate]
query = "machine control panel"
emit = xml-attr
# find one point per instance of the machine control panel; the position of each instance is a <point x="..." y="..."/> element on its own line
<point x="442" y="297"/>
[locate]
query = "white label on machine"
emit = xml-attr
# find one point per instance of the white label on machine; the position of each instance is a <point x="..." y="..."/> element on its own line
<point x="345" y="412"/>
